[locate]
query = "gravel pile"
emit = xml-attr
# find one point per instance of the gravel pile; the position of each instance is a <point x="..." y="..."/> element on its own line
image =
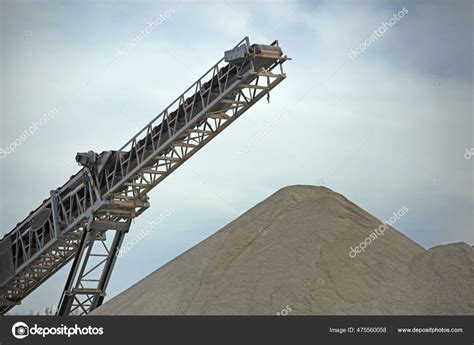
<point x="291" y="254"/>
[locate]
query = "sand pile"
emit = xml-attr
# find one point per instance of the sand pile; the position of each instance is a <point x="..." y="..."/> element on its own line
<point x="290" y="254"/>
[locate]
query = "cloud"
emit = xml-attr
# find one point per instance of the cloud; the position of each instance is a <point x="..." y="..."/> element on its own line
<point x="378" y="129"/>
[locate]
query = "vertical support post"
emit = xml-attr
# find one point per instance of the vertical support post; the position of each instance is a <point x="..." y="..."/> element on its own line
<point x="67" y="296"/>
<point x="109" y="266"/>
<point x="83" y="292"/>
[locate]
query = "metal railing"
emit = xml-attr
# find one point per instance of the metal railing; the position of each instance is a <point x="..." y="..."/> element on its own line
<point x="119" y="190"/>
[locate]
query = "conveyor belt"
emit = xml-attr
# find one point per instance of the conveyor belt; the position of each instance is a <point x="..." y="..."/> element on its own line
<point x="111" y="188"/>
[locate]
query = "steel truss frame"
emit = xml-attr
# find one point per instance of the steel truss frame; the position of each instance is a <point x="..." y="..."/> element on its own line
<point x="82" y="212"/>
<point x="85" y="291"/>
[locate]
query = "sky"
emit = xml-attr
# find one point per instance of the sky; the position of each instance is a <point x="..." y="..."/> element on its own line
<point x="377" y="109"/>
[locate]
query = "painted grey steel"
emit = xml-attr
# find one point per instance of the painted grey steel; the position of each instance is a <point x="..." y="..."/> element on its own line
<point x="236" y="55"/>
<point x="7" y="268"/>
<point x="112" y="187"/>
<point x="85" y="291"/>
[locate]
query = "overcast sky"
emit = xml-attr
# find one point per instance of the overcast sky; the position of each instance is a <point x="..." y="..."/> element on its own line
<point x="387" y="127"/>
